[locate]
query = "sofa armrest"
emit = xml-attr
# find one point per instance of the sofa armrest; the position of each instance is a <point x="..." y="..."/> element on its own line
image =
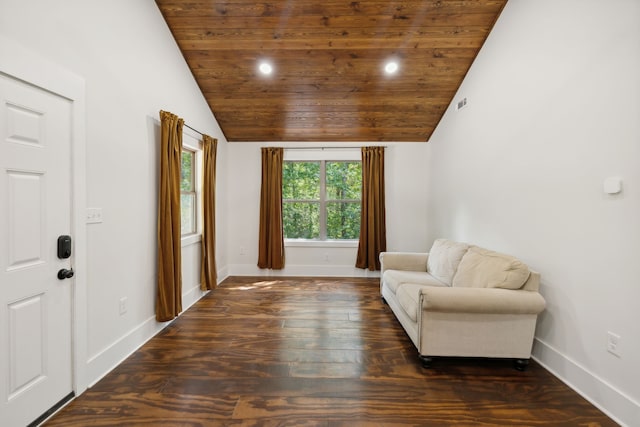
<point x="411" y="261"/>
<point x="481" y="300"/>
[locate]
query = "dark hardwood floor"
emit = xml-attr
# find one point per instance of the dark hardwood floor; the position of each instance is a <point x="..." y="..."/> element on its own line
<point x="313" y="352"/>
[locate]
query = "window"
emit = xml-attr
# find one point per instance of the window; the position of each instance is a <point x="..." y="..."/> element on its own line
<point x="188" y="199"/>
<point x="321" y="199"/>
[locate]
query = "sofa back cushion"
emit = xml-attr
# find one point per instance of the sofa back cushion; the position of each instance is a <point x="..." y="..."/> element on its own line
<point x="444" y="258"/>
<point x="481" y="268"/>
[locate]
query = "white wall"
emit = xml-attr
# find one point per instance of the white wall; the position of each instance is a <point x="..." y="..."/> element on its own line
<point x="405" y="210"/>
<point x="554" y="101"/>
<point x="553" y="109"/>
<point x="132" y="69"/>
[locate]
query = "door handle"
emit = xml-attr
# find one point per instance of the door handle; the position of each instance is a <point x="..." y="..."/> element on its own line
<point x="65" y="274"/>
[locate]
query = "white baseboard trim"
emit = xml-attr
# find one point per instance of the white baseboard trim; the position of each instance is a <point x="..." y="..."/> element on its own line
<point x="192" y="296"/>
<point x="106" y="360"/>
<point x="302" y="270"/>
<point x="613" y="402"/>
<point x="223" y="273"/>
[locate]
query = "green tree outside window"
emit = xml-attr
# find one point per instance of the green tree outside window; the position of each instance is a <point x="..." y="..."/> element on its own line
<point x="188" y="202"/>
<point x="321" y="199"/>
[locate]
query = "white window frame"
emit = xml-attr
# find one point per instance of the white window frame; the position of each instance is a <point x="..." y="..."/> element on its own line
<point x="193" y="142"/>
<point x="322" y="155"/>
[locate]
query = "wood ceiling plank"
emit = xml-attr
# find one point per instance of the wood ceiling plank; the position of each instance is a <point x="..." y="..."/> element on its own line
<point x="323" y="55"/>
<point x="207" y="8"/>
<point x="211" y="37"/>
<point x="328" y="134"/>
<point x="338" y="74"/>
<point x="342" y="23"/>
<point x="308" y="118"/>
<point x="206" y="47"/>
<point x="358" y="101"/>
<point x="329" y="62"/>
<point x="318" y="87"/>
<point x="405" y="108"/>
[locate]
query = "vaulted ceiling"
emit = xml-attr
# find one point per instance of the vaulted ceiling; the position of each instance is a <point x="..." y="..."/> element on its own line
<point x="328" y="81"/>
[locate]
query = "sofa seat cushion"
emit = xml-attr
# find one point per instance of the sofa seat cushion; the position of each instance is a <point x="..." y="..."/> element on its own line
<point x="395" y="278"/>
<point x="408" y="295"/>
<point x="444" y="258"/>
<point x="481" y="268"/>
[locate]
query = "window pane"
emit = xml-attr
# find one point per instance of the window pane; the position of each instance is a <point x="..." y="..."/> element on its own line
<point x="186" y="171"/>
<point x="301" y="220"/>
<point x="301" y="180"/>
<point x="187" y="213"/>
<point x="343" y="180"/>
<point x="343" y="220"/>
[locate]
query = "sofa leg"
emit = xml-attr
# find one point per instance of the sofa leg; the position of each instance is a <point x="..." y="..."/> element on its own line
<point x="426" y="361"/>
<point x="384" y="301"/>
<point x="521" y="364"/>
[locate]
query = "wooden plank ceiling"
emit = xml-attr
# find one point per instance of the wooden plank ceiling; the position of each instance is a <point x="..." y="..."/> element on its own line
<point x="328" y="81"/>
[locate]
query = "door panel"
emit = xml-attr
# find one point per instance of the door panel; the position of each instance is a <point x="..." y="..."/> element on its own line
<point x="35" y="208"/>
<point x="26" y="242"/>
<point x="26" y="361"/>
<point x="24" y="125"/>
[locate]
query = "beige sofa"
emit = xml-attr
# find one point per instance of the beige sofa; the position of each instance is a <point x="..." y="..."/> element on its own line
<point x="463" y="300"/>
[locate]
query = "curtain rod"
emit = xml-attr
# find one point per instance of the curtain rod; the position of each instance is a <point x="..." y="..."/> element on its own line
<point x="195" y="130"/>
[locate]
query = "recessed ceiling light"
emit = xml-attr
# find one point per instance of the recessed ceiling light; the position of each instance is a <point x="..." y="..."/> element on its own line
<point x="265" y="68"/>
<point x="391" y="67"/>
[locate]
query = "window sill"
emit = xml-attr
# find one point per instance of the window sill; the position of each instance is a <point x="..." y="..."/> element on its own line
<point x="190" y="239"/>
<point x="320" y="243"/>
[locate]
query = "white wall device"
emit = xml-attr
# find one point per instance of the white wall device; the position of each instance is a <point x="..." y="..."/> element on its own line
<point x="613" y="185"/>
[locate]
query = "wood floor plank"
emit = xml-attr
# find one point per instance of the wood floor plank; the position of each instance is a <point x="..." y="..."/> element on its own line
<point x="313" y="352"/>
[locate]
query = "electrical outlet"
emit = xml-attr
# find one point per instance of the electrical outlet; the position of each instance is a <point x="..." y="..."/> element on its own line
<point x="122" y="305"/>
<point x="241" y="250"/>
<point x="613" y="343"/>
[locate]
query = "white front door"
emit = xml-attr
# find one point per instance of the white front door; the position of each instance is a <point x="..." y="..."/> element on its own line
<point x="35" y="208"/>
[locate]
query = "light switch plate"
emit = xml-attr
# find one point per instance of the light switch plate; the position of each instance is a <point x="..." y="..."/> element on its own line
<point x="94" y="215"/>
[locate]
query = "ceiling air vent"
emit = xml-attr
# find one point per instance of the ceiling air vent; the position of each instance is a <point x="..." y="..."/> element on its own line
<point x="461" y="104"/>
